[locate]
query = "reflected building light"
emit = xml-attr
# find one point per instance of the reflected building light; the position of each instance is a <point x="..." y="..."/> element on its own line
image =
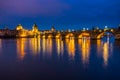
<point x="108" y="48"/>
<point x="58" y="46"/>
<point x="21" y="48"/>
<point x="44" y="45"/>
<point x="49" y="47"/>
<point x="85" y="49"/>
<point x="71" y="48"/>
<point x="80" y="42"/>
<point x="106" y="53"/>
<point x="35" y="45"/>
<point x="99" y="47"/>
<point x="62" y="47"/>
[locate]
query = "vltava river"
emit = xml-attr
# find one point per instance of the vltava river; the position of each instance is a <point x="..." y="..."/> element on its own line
<point x="55" y="59"/>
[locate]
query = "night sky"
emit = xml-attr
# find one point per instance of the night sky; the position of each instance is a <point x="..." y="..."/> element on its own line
<point x="63" y="14"/>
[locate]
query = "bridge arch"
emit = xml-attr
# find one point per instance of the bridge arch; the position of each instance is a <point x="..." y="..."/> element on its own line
<point x="69" y="36"/>
<point x="80" y="36"/>
<point x="101" y="35"/>
<point x="50" y="36"/>
<point x="58" y="36"/>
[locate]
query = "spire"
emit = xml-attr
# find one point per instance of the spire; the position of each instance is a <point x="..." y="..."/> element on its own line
<point x="53" y="29"/>
<point x="35" y="27"/>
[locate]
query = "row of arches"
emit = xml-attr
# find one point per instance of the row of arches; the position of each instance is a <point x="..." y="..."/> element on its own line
<point x="67" y="36"/>
<point x="79" y="36"/>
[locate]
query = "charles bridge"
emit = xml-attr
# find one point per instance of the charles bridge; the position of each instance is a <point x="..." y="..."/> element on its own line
<point x="95" y="33"/>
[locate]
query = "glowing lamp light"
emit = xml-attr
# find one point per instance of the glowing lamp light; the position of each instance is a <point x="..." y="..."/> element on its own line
<point x="106" y="27"/>
<point x="69" y="30"/>
<point x="112" y="30"/>
<point x="87" y="29"/>
<point x="83" y="29"/>
<point x="50" y="36"/>
<point x="58" y="36"/>
<point x="100" y="30"/>
<point x="23" y="35"/>
<point x="67" y="36"/>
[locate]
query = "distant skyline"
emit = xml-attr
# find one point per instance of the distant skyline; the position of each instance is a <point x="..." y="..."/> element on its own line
<point x="63" y="14"/>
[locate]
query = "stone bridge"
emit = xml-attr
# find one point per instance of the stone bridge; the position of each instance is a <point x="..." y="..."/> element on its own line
<point x="92" y="34"/>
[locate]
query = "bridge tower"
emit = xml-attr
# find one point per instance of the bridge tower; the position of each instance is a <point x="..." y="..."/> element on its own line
<point x="35" y="30"/>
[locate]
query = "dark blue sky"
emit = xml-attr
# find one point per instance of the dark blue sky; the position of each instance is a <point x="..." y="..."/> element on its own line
<point x="64" y="14"/>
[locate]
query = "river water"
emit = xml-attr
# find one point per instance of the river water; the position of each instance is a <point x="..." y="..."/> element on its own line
<point x="55" y="59"/>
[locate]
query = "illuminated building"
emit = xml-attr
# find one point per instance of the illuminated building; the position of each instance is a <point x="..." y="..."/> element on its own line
<point x="19" y="27"/>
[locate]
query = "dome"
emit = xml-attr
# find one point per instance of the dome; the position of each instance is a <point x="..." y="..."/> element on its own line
<point x="19" y="27"/>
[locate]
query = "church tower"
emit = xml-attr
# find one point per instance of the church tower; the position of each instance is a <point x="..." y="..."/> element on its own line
<point x="53" y="29"/>
<point x="35" y="28"/>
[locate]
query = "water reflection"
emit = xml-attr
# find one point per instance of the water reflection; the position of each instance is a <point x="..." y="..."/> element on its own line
<point x="99" y="47"/>
<point x="84" y="45"/>
<point x="107" y="49"/>
<point x="21" y="44"/>
<point x="47" y="47"/>
<point x="44" y="45"/>
<point x="71" y="47"/>
<point x="60" y="46"/>
<point x="35" y="45"/>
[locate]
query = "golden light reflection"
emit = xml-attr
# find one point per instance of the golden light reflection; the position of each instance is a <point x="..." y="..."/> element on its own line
<point x="44" y="45"/>
<point x="106" y="53"/>
<point x="21" y="48"/>
<point x="35" y="45"/>
<point x="60" y="46"/>
<point x="84" y="44"/>
<point x="47" y="45"/>
<point x="99" y="47"/>
<point x="71" y="47"/>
